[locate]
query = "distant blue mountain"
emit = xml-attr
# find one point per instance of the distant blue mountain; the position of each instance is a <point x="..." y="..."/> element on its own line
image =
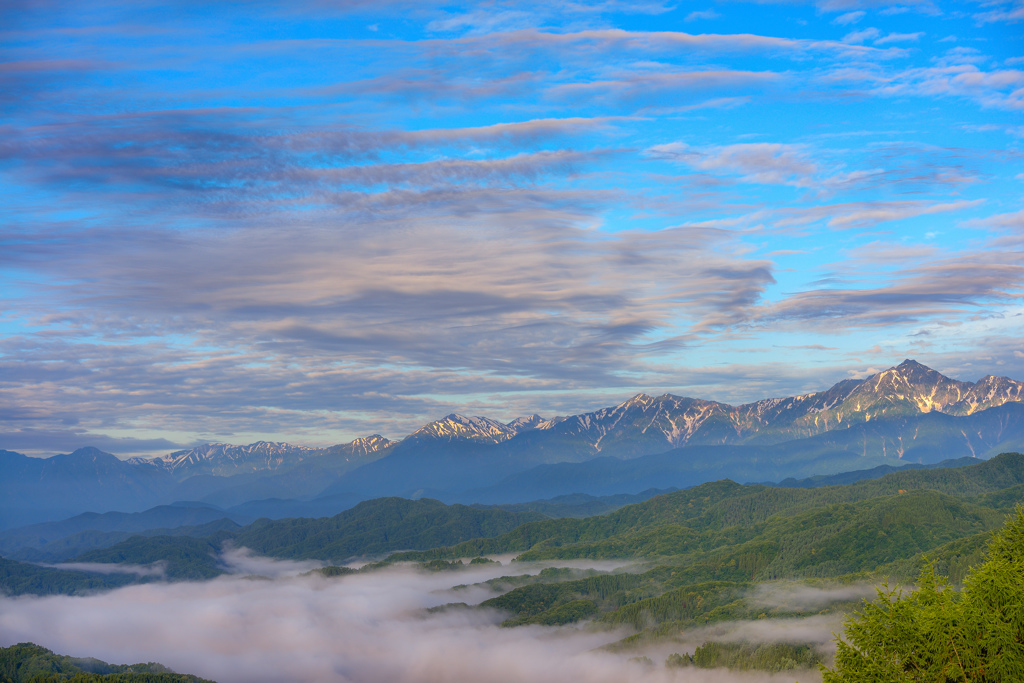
<point x="909" y="413"/>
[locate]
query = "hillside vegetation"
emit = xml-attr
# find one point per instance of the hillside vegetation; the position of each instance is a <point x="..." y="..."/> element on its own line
<point x="30" y="663"/>
<point x="697" y="554"/>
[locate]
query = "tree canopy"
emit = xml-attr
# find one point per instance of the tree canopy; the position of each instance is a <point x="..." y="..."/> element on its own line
<point x="938" y="634"/>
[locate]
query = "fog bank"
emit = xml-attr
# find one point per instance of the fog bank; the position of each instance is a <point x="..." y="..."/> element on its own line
<point x="282" y="626"/>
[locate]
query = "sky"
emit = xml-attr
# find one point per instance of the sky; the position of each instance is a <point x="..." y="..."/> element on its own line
<point x="317" y="220"/>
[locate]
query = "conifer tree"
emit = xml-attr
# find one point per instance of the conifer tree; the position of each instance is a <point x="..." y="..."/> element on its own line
<point x="939" y="635"/>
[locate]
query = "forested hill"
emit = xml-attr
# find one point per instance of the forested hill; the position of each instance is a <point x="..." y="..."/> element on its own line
<point x="723" y="513"/>
<point x="30" y="663"/>
<point x="378" y="526"/>
<point x="720" y="530"/>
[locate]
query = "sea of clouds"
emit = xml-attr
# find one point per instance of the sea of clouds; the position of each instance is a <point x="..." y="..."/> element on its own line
<point x="269" y="622"/>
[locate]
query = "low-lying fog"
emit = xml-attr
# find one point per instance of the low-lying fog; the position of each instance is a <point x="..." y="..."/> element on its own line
<point x="361" y="627"/>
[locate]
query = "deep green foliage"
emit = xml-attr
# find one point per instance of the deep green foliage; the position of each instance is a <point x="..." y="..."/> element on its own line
<point x="678" y="661"/>
<point x="699" y="603"/>
<point x="580" y="504"/>
<point x="378" y="526"/>
<point x="30" y="663"/>
<point x="183" y="557"/>
<point x="17" y="578"/>
<point x="442" y="565"/>
<point x="734" y="532"/>
<point x="565" y="613"/>
<point x="936" y="634"/>
<point x="755" y="656"/>
<point x="331" y="571"/>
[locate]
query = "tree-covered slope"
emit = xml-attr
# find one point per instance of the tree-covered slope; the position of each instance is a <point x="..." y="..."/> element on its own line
<point x="17" y="578"/>
<point x="378" y="526"/>
<point x="30" y="663"/>
<point x="719" y="506"/>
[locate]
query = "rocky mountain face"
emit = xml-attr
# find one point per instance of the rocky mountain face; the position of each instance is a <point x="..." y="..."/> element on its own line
<point x="456" y="427"/>
<point x="909" y="412"/>
<point x="646" y="424"/>
<point x="641" y="425"/>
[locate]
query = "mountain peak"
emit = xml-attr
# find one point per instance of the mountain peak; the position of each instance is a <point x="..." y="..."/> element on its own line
<point x="460" y="427"/>
<point x="91" y="452"/>
<point x="638" y="400"/>
<point x="522" y="424"/>
<point x="367" y="445"/>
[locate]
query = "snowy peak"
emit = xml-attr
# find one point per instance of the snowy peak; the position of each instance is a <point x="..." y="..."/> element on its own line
<point x="639" y="425"/>
<point x="640" y="400"/>
<point x="523" y="424"/>
<point x="222" y="459"/>
<point x="643" y="424"/>
<point x="988" y="392"/>
<point x="459" y="427"/>
<point x="368" y="445"/>
<point x="225" y="459"/>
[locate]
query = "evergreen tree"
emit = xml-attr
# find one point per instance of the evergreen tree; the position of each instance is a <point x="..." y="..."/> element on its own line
<point x="939" y="635"/>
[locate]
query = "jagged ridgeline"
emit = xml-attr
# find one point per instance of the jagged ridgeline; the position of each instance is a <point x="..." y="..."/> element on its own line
<point x="30" y="663"/>
<point x="906" y="414"/>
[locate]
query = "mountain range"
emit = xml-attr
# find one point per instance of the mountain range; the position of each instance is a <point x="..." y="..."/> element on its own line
<point x="908" y="413"/>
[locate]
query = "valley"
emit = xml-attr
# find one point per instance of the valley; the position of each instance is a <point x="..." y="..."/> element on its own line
<point x="576" y="538"/>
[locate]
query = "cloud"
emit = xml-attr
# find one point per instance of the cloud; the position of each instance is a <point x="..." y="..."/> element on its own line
<point x="462" y="291"/>
<point x="999" y="89"/>
<point x="849" y="18"/>
<point x="364" y="627"/>
<point x="644" y="88"/>
<point x="246" y="563"/>
<point x="766" y="163"/>
<point x="800" y="596"/>
<point x="50" y="441"/>
<point x="866" y="214"/>
<point x="861" y="36"/>
<point x="915" y="285"/>
<point x="898" y="38"/>
<point x="1013" y="219"/>
<point x="158" y="569"/>
<point x="1012" y="13"/>
<point x="704" y="14"/>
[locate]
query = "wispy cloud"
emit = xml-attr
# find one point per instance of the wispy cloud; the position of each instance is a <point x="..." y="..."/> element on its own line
<point x="849" y="18"/>
<point x="702" y="14"/>
<point x="770" y="163"/>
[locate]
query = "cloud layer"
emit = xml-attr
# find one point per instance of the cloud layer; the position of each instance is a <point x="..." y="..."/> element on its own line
<point x="366" y="628"/>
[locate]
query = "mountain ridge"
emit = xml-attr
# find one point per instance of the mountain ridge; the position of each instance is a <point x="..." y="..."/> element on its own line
<point x="641" y="423"/>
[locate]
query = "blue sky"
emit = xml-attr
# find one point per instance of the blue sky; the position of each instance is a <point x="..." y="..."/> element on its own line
<point x="315" y="220"/>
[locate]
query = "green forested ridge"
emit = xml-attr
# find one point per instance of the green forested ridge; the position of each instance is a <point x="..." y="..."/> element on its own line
<point x="707" y="546"/>
<point x="183" y="557"/>
<point x="17" y="578"/>
<point x="377" y="526"/>
<point x="580" y="504"/>
<point x="372" y="527"/>
<point x="75" y="544"/>
<point x="720" y="531"/>
<point x="732" y="513"/>
<point x="30" y="663"/>
<point x="757" y="656"/>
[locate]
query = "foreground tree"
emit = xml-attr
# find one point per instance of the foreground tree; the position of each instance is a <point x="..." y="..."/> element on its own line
<point x="939" y="635"/>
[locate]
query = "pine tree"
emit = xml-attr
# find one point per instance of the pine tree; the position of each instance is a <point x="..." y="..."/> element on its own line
<point x="939" y="635"/>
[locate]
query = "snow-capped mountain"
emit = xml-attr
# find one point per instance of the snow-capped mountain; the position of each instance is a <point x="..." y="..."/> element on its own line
<point x="644" y="424"/>
<point x="457" y="427"/>
<point x="221" y="459"/>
